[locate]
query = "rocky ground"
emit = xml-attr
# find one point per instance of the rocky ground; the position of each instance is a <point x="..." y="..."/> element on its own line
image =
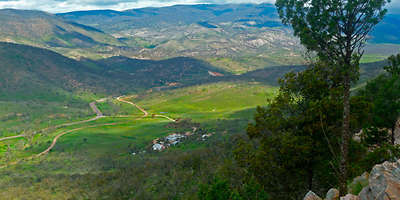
<point x="382" y="183"/>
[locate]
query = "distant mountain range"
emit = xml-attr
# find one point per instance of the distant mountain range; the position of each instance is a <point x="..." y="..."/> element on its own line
<point x="234" y="37"/>
<point x="40" y="28"/>
<point x="30" y="73"/>
<point x="208" y="16"/>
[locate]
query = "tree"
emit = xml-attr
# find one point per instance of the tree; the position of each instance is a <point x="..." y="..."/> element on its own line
<point x="288" y="151"/>
<point x="336" y="30"/>
<point x="384" y="93"/>
<point x="394" y="66"/>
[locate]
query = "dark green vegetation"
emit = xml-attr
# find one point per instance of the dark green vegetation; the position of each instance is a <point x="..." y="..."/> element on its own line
<point x="294" y="144"/>
<point x="336" y="32"/>
<point x="33" y="73"/>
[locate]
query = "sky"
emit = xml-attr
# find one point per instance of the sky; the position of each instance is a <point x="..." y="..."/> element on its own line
<point x="57" y="6"/>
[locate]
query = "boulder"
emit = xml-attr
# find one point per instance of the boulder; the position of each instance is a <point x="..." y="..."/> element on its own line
<point x="350" y="197"/>
<point x="332" y="194"/>
<point x="311" y="196"/>
<point x="384" y="182"/>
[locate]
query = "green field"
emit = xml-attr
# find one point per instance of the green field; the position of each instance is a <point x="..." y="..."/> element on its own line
<point x="204" y="104"/>
<point x="223" y="108"/>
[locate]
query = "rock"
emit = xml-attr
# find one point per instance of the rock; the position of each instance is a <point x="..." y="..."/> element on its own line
<point x="365" y="194"/>
<point x="397" y="132"/>
<point x="311" y="196"/>
<point x="332" y="194"/>
<point x="358" y="183"/>
<point x="350" y="197"/>
<point x="384" y="182"/>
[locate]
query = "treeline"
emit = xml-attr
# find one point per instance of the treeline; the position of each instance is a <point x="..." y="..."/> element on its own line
<point x="294" y="144"/>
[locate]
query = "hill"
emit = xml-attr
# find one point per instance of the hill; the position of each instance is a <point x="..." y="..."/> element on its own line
<point x="206" y="15"/>
<point x="235" y="37"/>
<point x="160" y="74"/>
<point x="40" y="88"/>
<point x="210" y="16"/>
<point x="201" y="31"/>
<point x="46" y="30"/>
<point x="32" y="73"/>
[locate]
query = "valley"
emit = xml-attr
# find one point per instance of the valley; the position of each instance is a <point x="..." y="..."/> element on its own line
<point x="182" y="102"/>
<point x="82" y="145"/>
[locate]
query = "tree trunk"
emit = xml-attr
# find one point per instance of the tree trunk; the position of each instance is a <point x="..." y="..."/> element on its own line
<point x="310" y="176"/>
<point x="394" y="132"/>
<point x="344" y="147"/>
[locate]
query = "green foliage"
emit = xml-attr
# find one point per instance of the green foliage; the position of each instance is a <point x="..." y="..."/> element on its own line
<point x="326" y="26"/>
<point x="394" y="67"/>
<point x="336" y="31"/>
<point x="384" y="94"/>
<point x="379" y="155"/>
<point x="218" y="190"/>
<point x="294" y="140"/>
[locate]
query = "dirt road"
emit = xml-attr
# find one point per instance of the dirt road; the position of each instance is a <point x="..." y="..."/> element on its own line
<point x="70" y="131"/>
<point x="92" y="105"/>
<point x="11" y="137"/>
<point x="99" y="115"/>
<point x="121" y="99"/>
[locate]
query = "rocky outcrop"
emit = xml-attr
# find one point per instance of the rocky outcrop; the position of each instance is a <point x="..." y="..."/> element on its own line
<point x="332" y="194"/>
<point x="311" y="196"/>
<point x="350" y="197"/>
<point x="383" y="184"/>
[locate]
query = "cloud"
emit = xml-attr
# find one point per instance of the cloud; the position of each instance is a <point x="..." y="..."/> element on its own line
<point x="56" y="6"/>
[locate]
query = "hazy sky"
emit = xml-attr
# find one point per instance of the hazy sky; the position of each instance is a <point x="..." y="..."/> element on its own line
<point x="73" y="5"/>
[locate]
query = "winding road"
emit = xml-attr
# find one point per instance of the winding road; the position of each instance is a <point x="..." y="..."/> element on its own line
<point x="70" y="131"/>
<point x="99" y="115"/>
<point x="11" y="137"/>
<point x="121" y="99"/>
<point x="92" y="105"/>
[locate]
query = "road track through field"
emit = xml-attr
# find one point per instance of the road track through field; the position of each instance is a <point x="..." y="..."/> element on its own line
<point x="99" y="115"/>
<point x="11" y="137"/>
<point x="122" y="99"/>
<point x="92" y="105"/>
<point x="70" y="131"/>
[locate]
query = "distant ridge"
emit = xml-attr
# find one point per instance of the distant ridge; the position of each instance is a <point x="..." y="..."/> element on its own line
<point x="42" y="29"/>
<point x="34" y="73"/>
<point x="264" y="15"/>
